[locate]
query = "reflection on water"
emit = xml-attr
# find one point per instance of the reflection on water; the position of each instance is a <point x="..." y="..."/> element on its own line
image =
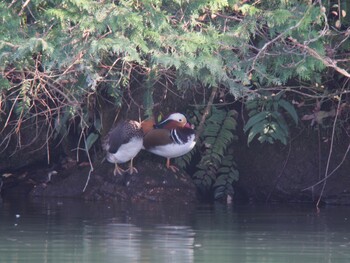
<point x="74" y="231"/>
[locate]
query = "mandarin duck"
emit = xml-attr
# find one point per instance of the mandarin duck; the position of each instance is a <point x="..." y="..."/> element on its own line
<point x="173" y="137"/>
<point x="123" y="143"/>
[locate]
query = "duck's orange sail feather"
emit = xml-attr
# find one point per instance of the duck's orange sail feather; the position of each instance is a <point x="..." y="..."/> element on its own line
<point x="147" y="125"/>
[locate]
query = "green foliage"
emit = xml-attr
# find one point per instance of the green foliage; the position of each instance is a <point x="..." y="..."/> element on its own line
<point x="227" y="174"/>
<point x="216" y="169"/>
<point x="60" y="59"/>
<point x="267" y="120"/>
<point x="208" y="42"/>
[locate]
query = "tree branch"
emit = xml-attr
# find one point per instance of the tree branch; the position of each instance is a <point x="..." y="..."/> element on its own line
<point x="325" y="60"/>
<point x="206" y="112"/>
<point x="277" y="38"/>
<point x="24" y="6"/>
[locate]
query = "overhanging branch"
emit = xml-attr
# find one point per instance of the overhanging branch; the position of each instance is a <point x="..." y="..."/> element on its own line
<point x="325" y="60"/>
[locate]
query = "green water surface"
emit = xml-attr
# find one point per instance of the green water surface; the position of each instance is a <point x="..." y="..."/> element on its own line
<point x="74" y="231"/>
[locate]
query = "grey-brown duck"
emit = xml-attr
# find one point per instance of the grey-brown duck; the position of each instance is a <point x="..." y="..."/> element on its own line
<point x="123" y="143"/>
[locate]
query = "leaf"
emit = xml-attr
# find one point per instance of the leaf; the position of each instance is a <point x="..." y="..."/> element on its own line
<point x="256" y="119"/>
<point x="258" y="128"/>
<point x="224" y="170"/>
<point x="279" y="120"/>
<point x="98" y="124"/>
<point x="4" y="83"/>
<point x="199" y="174"/>
<point x="288" y="107"/>
<point x="219" y="192"/>
<point x="277" y="133"/>
<point x="90" y="140"/>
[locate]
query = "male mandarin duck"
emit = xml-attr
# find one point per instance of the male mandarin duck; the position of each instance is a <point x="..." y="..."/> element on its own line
<point x="170" y="138"/>
<point x="123" y="143"/>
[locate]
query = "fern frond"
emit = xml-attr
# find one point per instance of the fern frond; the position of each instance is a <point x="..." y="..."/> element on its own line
<point x="216" y="162"/>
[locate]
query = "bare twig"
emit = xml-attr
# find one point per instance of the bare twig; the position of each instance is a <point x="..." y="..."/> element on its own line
<point x="23" y="6"/>
<point x="235" y="18"/>
<point x="90" y="162"/>
<point x="331" y="173"/>
<point x="329" y="154"/>
<point x="206" y="112"/>
<point x="13" y="2"/>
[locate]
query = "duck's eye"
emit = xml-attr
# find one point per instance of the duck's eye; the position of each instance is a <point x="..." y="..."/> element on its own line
<point x="180" y="120"/>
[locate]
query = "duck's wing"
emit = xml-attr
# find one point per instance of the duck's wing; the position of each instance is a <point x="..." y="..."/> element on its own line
<point x="157" y="137"/>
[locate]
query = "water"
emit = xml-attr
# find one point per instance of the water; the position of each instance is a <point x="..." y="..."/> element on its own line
<point x="73" y="231"/>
